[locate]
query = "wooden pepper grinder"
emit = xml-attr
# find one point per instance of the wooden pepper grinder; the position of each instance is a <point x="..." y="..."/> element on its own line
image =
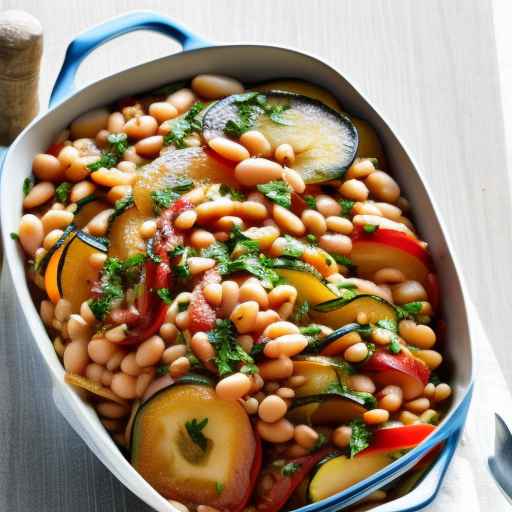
<point x="21" y="47"/>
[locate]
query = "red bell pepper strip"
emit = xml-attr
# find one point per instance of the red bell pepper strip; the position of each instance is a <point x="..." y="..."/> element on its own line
<point x="283" y="485"/>
<point x="397" y="438"/>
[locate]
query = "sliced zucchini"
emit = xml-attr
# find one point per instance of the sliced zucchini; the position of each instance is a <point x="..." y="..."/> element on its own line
<point x="340" y="473"/>
<point x="321" y="372"/>
<point x="65" y="237"/>
<point x="339" y="312"/>
<point x="325" y="141"/>
<point x="198" y="164"/>
<point x="306" y="279"/>
<point x="303" y="88"/>
<point x="165" y="454"/>
<point x="69" y="274"/>
<point x="92" y="387"/>
<point x="125" y="238"/>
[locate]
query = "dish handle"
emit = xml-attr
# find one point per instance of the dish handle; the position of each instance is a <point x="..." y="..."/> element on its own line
<point x="94" y="37"/>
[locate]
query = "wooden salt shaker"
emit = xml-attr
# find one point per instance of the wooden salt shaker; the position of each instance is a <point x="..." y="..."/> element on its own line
<point x="21" y="47"/>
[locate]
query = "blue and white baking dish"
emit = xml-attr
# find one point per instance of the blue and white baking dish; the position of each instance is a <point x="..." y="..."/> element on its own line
<point x="249" y="63"/>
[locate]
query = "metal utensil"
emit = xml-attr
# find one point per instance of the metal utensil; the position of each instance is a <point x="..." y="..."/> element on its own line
<point x="501" y="464"/>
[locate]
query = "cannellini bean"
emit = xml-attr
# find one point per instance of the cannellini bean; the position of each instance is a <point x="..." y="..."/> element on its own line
<point x="233" y="387"/>
<point x="251" y="405"/>
<point x="383" y="187"/>
<point x="98" y="225"/>
<point x="265" y="318"/>
<point x="389" y="211"/>
<point x="281" y="328"/>
<point x="147" y="229"/>
<point x="56" y="219"/>
<point x="278" y="432"/>
<point x="80" y="190"/>
<point x="186" y="219"/>
<point x="305" y="436"/>
<point x="213" y="294"/>
<point x="168" y="332"/>
<point x="336" y="243"/>
<point x="63" y="310"/>
<point x="429" y="390"/>
<point x="421" y="336"/>
<point x="327" y="206"/>
<point x="409" y="291"/>
<point x="114" y="363"/>
<point x="389" y="276"/>
<point x="94" y="372"/>
<point x="47" y="168"/>
<point x="341" y="436"/>
<point x="244" y="316"/>
<point x="76" y="357"/>
<point x="150" y="351"/>
<point x="228" y="222"/>
<point x="113" y="177"/>
<point x="89" y="124"/>
<point x="67" y="155"/>
<point x="285" y="154"/>
<point x="278" y="246"/>
<point x="366" y="208"/>
<point x="197" y="264"/>
<point x="287" y="345"/>
<point x="141" y="127"/>
<point x="179" y="367"/>
<point x="230" y="294"/>
<point x="339" y="225"/>
<point x="178" y="505"/>
<point x="407" y="418"/>
<point x="97" y="260"/>
<point x="117" y="334"/>
<point x="265" y="235"/>
<point x="174" y="352"/>
<point x="253" y="290"/>
<point x="246" y="342"/>
<point x="281" y="294"/>
<point x="361" y="168"/>
<point x="115" y="122"/>
<point x="46" y="311"/>
<point x="131" y="155"/>
<point x="354" y="189"/>
<point x="294" y="179"/>
<point x="359" y="382"/>
<point x="430" y="357"/>
<point x="356" y="353"/>
<point x="162" y="111"/>
<point x="288" y="221"/>
<point x="78" y="328"/>
<point x="150" y="146"/>
<point x="202" y="348"/>
<point x="129" y="365"/>
<point x="214" y="209"/>
<point x="418" y="405"/>
<point x="315" y="222"/>
<point x="296" y="381"/>
<point x="276" y="369"/>
<point x="182" y="100"/>
<point x="124" y="386"/>
<point x="442" y="392"/>
<point x="229" y="149"/>
<point x="253" y="210"/>
<point x="390" y="402"/>
<point x="182" y="320"/>
<point x="31" y="233"/>
<point x="375" y="416"/>
<point x="39" y="194"/>
<point x="118" y="192"/>
<point x="272" y="408"/>
<point x="254" y="171"/>
<point x="201" y="239"/>
<point x="214" y="87"/>
<point x="87" y="314"/>
<point x="256" y="143"/>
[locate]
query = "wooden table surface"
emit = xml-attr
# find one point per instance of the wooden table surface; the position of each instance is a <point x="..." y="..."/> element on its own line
<point x="429" y="67"/>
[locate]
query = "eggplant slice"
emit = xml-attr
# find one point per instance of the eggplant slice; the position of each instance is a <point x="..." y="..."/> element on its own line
<point x="325" y="142"/>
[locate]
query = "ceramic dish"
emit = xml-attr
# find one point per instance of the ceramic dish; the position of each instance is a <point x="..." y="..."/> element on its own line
<point x="248" y="63"/>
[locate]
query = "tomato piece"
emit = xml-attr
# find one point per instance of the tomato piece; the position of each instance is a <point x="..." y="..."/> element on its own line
<point x="298" y="204"/>
<point x="201" y="315"/>
<point x="398" y="438"/>
<point x="283" y="485"/>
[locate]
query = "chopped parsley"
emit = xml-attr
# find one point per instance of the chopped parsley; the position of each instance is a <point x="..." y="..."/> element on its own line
<point x="228" y="353"/>
<point x="395" y="347"/>
<point x="346" y="207"/>
<point x="236" y="195"/>
<point x="62" y="191"/>
<point x="28" y="183"/>
<point x="162" y="370"/>
<point x="389" y="325"/>
<point x="277" y="191"/>
<point x="260" y="267"/>
<point x="165" y="294"/>
<point x="360" y="438"/>
<point x="409" y="309"/>
<point x="194" y="429"/>
<point x="181" y="270"/>
<point x="294" y="248"/>
<point x="249" y="107"/>
<point x="301" y="312"/>
<point x="290" y="468"/>
<point x="184" y="126"/>
<point x="219" y="487"/>
<point x="322" y="439"/>
<point x="310" y="330"/>
<point x="120" y="206"/>
<point x="14" y="236"/>
<point x="370" y="228"/>
<point x="312" y="239"/>
<point x="310" y="201"/>
<point x="118" y="144"/>
<point x="343" y="260"/>
<point x="162" y="199"/>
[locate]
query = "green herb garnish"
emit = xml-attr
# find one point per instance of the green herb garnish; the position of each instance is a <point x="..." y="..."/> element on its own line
<point x="219" y="487"/>
<point x="277" y="191"/>
<point x="165" y="294"/>
<point x="62" y="191"/>
<point x="301" y="312"/>
<point x="389" y="325"/>
<point x="162" y="199"/>
<point x="310" y="201"/>
<point x="236" y="195"/>
<point x="346" y="207"/>
<point x="194" y="429"/>
<point x="312" y="239"/>
<point x="370" y="228"/>
<point x="184" y="126"/>
<point x="290" y="468"/>
<point x="14" y="236"/>
<point x="28" y="183"/>
<point x="360" y="438"/>
<point x="118" y="144"/>
<point x="294" y="248"/>
<point x="395" y="347"/>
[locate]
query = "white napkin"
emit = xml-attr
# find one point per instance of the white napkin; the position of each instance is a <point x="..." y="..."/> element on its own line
<point x="469" y="486"/>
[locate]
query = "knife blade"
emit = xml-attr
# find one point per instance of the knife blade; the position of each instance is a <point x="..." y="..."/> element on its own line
<point x="501" y="464"/>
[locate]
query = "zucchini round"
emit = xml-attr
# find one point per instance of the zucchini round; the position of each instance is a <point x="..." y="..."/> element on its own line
<point x="325" y="141"/>
<point x="339" y="312"/>
<point x="177" y="464"/>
